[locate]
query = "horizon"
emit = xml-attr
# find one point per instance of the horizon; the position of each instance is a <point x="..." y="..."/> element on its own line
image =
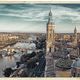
<point x="43" y="32"/>
<point x="33" y="17"/>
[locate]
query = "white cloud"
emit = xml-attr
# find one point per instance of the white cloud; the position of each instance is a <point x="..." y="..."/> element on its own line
<point x="39" y="15"/>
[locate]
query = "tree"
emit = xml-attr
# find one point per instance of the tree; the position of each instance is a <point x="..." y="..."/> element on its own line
<point x="7" y="72"/>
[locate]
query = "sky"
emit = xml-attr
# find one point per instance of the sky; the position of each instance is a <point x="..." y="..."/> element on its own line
<point x="34" y="17"/>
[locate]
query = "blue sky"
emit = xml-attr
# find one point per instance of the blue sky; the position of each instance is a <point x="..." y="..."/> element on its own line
<point x="34" y="17"/>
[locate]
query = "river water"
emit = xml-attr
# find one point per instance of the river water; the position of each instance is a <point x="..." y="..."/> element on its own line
<point x="10" y="61"/>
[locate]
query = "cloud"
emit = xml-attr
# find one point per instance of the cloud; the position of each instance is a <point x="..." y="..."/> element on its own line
<point x="38" y="14"/>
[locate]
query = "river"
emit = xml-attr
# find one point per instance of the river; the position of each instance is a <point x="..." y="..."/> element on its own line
<point x="10" y="61"/>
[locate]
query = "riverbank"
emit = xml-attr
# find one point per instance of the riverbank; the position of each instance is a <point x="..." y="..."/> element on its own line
<point x="7" y="44"/>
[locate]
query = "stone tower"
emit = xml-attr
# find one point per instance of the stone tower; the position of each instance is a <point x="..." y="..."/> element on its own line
<point x="50" y="34"/>
<point x="49" y="68"/>
<point x="75" y="37"/>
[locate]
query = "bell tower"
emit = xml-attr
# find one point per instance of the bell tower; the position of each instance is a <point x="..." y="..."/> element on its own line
<point x="50" y="34"/>
<point x="49" y="68"/>
<point x="75" y="37"/>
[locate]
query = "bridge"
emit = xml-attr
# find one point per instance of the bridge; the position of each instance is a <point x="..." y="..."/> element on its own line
<point x="24" y="41"/>
<point x="12" y="49"/>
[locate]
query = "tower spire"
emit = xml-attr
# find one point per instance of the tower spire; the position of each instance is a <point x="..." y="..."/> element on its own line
<point x="50" y="13"/>
<point x="50" y="17"/>
<point x="75" y="30"/>
<point x="75" y="37"/>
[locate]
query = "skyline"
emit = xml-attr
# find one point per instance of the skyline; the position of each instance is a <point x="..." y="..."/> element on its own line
<point x="34" y="17"/>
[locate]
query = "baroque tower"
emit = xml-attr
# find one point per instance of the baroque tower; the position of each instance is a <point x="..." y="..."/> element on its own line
<point x="50" y="34"/>
<point x="75" y="37"/>
<point x="49" y="68"/>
